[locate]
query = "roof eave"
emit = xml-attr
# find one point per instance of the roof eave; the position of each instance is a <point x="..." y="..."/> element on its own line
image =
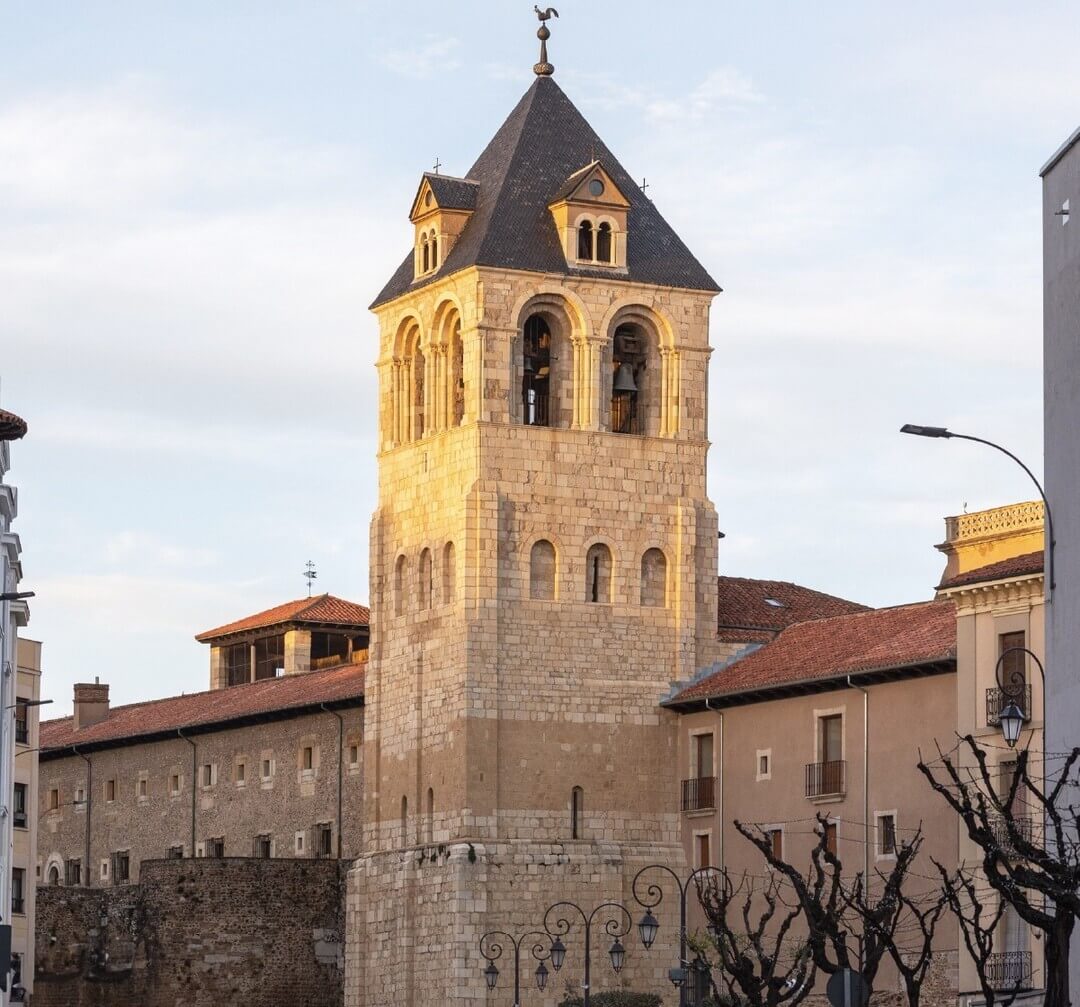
<point x="1058" y="154"/>
<point x="211" y="727"/>
<point x="922" y="668"/>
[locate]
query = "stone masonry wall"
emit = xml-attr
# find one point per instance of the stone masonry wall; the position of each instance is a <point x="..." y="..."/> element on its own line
<point x="252" y="933"/>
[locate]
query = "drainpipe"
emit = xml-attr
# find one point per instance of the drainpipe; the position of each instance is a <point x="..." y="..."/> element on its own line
<point x="194" y="783"/>
<point x="865" y="781"/>
<point x="89" y="804"/>
<point x="340" y="764"/>
<point x="719" y="786"/>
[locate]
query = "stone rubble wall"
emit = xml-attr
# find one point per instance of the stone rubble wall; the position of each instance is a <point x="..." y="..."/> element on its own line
<point x="245" y="932"/>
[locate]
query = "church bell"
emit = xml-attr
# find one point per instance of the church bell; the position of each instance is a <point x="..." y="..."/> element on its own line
<point x="624" y="381"/>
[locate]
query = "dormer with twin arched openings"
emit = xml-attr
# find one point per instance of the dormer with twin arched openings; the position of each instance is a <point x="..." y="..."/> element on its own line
<point x="591" y="215"/>
<point x="439" y="213"/>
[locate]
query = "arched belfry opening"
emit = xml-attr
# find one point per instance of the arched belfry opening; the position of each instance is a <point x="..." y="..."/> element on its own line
<point x="629" y="358"/>
<point x="536" y="377"/>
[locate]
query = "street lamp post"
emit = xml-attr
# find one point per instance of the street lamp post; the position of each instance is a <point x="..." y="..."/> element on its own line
<point x="492" y="950"/>
<point x="648" y="926"/>
<point x="617" y="925"/>
<point x="1012" y="716"/>
<point x="941" y="432"/>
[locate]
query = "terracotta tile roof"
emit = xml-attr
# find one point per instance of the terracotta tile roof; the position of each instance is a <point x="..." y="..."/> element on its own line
<point x="877" y="640"/>
<point x="543" y="141"/>
<point x="202" y="709"/>
<point x="744" y="613"/>
<point x="322" y="609"/>
<point x="1018" y="566"/>
<point x="12" y="427"/>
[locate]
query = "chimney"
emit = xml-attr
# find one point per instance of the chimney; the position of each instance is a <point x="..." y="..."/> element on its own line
<point x="91" y="703"/>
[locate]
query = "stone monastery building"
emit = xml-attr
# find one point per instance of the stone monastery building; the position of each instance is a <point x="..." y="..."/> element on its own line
<point x="543" y="574"/>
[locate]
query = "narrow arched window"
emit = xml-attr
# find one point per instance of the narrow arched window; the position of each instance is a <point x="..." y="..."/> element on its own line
<point x="54" y="876"/>
<point x="577" y="812"/>
<point x="425" y="584"/>
<point x="603" y="243"/>
<point x="542" y="570"/>
<point x="404" y="821"/>
<point x="417" y="364"/>
<point x="449" y="574"/>
<point x="536" y="383"/>
<point x="429" y="817"/>
<point x="598" y="574"/>
<point x="434" y="250"/>
<point x="457" y="375"/>
<point x="585" y="240"/>
<point x="426" y="253"/>
<point x="399" y="585"/>
<point x="654" y="579"/>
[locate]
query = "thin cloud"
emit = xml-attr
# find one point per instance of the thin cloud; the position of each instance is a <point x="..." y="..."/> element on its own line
<point x="431" y="58"/>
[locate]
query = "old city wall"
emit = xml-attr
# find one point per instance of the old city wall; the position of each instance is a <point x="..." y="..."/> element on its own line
<point x="253" y="933"/>
<point x="236" y="806"/>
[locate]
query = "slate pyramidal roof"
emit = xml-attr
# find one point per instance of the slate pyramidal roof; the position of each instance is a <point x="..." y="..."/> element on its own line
<point x="543" y="142"/>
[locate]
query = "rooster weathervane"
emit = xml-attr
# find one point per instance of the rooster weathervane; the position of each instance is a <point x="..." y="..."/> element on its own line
<point x="544" y="68"/>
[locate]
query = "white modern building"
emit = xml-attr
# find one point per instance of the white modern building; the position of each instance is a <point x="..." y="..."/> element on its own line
<point x="13" y="616"/>
<point x="1061" y="361"/>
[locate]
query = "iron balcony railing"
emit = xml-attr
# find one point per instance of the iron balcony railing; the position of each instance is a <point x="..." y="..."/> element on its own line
<point x="699" y="794"/>
<point x="1000" y="830"/>
<point x="826" y="779"/>
<point x="1009" y="970"/>
<point x="996" y="701"/>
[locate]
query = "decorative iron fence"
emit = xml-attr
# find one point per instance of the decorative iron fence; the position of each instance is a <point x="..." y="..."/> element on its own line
<point x="826" y="779"/>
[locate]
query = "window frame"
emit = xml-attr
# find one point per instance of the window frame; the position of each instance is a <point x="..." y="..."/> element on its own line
<point x="880" y="852"/>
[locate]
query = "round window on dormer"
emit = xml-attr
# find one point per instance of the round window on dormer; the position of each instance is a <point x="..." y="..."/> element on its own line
<point x="428" y="198"/>
<point x="596" y="187"/>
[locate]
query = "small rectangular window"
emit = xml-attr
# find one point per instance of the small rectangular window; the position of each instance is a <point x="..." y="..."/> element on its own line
<point x="18" y="814"/>
<point x="18" y="885"/>
<point x="207" y="775"/>
<point x="887" y="835"/>
<point x="54" y="799"/>
<point x="354" y="754"/>
<point x="830" y="837"/>
<point x="704" y="854"/>
<point x="174" y="783"/>
<point x="308" y="757"/>
<point x="175" y="853"/>
<point x="110" y="790"/>
<point x="267" y="769"/>
<point x="776" y="842"/>
<point x="262" y="847"/>
<point x="241" y="772"/>
<point x="80" y="798"/>
<point x="143" y="787"/>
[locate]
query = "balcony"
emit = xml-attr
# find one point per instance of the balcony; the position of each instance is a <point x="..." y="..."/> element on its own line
<point x="1009" y="970"/>
<point x="996" y="701"/>
<point x="1000" y="831"/>
<point x="826" y="779"/>
<point x="699" y="794"/>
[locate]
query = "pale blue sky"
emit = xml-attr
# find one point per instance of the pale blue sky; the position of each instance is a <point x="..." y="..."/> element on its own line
<point x="199" y="200"/>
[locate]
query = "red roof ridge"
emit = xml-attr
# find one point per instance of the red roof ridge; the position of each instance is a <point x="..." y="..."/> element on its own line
<point x="298" y="610"/>
<point x="99" y="731"/>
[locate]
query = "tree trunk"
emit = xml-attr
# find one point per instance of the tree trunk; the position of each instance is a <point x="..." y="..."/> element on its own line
<point x="1057" y="959"/>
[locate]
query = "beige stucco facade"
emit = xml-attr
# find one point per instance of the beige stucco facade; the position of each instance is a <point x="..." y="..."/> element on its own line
<point x="25" y="818"/>
<point x="993" y="615"/>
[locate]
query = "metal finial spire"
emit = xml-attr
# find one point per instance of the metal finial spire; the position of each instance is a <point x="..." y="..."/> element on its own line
<point x="544" y="68"/>
<point x="309" y="575"/>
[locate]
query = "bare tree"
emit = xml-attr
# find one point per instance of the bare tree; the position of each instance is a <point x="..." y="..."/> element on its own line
<point x="901" y="923"/>
<point x="977" y="926"/>
<point x="1040" y="879"/>
<point x="760" y="960"/>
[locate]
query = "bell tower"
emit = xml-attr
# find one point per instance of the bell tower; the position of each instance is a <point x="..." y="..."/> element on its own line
<point x="543" y="557"/>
